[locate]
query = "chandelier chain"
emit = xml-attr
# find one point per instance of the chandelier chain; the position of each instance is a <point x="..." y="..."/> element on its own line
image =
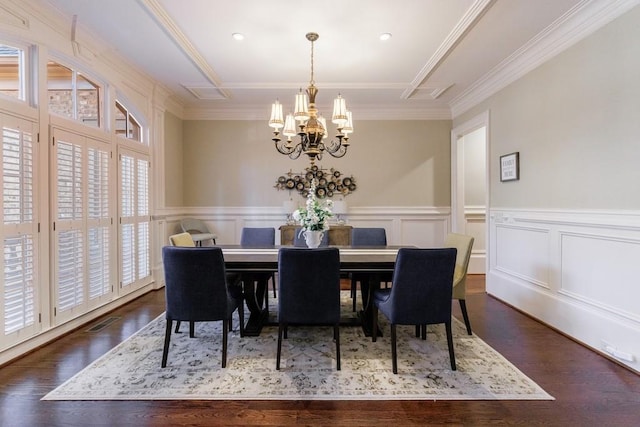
<point x="312" y="80"/>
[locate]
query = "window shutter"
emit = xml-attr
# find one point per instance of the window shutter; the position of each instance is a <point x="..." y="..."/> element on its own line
<point x="98" y="223"/>
<point x="19" y="291"/>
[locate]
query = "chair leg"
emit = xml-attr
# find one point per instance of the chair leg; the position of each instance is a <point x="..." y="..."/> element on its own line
<point x="394" y="352"/>
<point x="273" y="284"/>
<point x="424" y="331"/>
<point x="225" y="333"/>
<point x="417" y="331"/>
<point x="177" y="326"/>
<point x="192" y="329"/>
<point x="463" y="307"/>
<point x="241" y="318"/>
<point x="374" y="323"/>
<point x="452" y="356"/>
<point x="280" y="332"/>
<point x="354" y="293"/>
<point x="336" y="334"/>
<point x="167" y="338"/>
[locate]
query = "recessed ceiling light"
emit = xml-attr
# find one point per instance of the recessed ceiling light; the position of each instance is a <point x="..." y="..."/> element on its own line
<point x="238" y="36"/>
<point x="385" y="36"/>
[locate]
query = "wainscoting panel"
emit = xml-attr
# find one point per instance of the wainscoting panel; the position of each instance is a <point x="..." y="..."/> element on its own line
<point x="531" y="261"/>
<point x="576" y="271"/>
<point x="610" y="288"/>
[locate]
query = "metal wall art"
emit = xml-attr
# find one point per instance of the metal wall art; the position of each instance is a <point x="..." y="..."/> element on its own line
<point x="329" y="183"/>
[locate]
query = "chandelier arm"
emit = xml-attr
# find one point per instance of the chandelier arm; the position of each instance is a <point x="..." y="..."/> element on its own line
<point x="334" y="146"/>
<point x="338" y="153"/>
<point x="295" y="153"/>
<point x="282" y="147"/>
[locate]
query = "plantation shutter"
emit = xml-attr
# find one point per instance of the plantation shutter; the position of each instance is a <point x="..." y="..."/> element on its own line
<point x="19" y="294"/>
<point x="98" y="223"/>
<point x="70" y="237"/>
<point x="135" y="256"/>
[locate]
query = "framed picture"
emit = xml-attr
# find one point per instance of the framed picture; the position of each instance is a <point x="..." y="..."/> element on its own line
<point x="510" y="167"/>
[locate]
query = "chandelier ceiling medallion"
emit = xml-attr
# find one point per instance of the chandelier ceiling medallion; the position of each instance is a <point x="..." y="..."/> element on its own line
<point x="311" y="128"/>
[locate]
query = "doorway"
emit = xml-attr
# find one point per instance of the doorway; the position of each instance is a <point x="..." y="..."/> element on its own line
<point x="470" y="186"/>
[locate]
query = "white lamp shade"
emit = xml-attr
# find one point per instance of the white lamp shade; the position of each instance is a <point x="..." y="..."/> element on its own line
<point x="339" y="111"/>
<point x="289" y="126"/>
<point x="276" y="120"/>
<point x="301" y="112"/>
<point x="348" y="128"/>
<point x="339" y="207"/>
<point x="289" y="206"/>
<point x="322" y="120"/>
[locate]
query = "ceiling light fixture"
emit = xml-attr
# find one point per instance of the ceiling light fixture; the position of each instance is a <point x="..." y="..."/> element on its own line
<point x="385" y="36"/>
<point x="238" y="36"/>
<point x="311" y="126"/>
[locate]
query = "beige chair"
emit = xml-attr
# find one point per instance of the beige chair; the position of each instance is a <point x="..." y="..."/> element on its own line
<point x="182" y="239"/>
<point x="198" y="230"/>
<point x="463" y="244"/>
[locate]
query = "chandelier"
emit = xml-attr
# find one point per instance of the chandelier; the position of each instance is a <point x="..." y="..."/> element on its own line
<point x="311" y="128"/>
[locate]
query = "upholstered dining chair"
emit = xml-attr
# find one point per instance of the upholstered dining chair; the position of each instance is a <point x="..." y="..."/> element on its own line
<point x="363" y="236"/>
<point x="260" y="236"/>
<point x="182" y="239"/>
<point x="197" y="291"/>
<point x="309" y="291"/>
<point x="198" y="230"/>
<point x="298" y="239"/>
<point x="420" y="295"/>
<point x="463" y="244"/>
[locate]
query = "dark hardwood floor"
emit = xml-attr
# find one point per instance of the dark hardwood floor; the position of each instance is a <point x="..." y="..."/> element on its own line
<point x="589" y="389"/>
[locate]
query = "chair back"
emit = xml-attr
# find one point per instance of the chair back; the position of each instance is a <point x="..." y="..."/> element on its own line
<point x="193" y="225"/>
<point x="361" y="236"/>
<point x="309" y="285"/>
<point x="463" y="244"/>
<point x="421" y="291"/>
<point x="195" y="284"/>
<point x="182" y="239"/>
<point x="298" y="239"/>
<point x="258" y="236"/>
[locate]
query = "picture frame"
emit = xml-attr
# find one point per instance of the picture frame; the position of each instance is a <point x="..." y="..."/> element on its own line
<point x="510" y="167"/>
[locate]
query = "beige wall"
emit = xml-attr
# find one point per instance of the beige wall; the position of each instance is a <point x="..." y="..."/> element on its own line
<point x="576" y="122"/>
<point x="173" y="158"/>
<point x="395" y="163"/>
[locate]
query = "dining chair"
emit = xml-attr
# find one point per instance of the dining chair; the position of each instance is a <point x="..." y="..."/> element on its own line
<point x="198" y="230"/>
<point x="197" y="291"/>
<point x="298" y="239"/>
<point x="463" y="244"/>
<point x="259" y="237"/>
<point x="182" y="239"/>
<point x="309" y="291"/>
<point x="363" y="236"/>
<point x="420" y="295"/>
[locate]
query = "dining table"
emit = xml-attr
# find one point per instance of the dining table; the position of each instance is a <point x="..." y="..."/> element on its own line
<point x="251" y="262"/>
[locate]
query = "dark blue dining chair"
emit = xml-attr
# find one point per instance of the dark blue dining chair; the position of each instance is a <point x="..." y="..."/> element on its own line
<point x="420" y="295"/>
<point x="309" y="291"/>
<point x="260" y="237"/>
<point x="197" y="291"/>
<point x="298" y="239"/>
<point x="363" y="236"/>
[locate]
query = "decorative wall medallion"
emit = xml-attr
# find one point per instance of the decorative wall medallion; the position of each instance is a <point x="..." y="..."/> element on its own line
<point x="330" y="182"/>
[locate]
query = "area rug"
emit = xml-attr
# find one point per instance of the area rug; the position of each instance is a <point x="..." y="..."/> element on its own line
<point x="131" y="371"/>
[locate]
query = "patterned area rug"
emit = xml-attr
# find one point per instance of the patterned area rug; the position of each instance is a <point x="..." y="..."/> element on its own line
<point x="131" y="371"/>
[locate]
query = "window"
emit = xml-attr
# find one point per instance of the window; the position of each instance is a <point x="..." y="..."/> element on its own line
<point x="73" y="95"/>
<point x="12" y="72"/>
<point x="126" y="124"/>
<point x="135" y="258"/>
<point x="82" y="229"/>
<point x="19" y="292"/>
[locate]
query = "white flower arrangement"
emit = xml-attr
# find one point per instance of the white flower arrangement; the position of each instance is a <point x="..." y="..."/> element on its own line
<point x="315" y="215"/>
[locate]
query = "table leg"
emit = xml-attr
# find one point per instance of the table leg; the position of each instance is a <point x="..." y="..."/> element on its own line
<point x="369" y="283"/>
<point x="255" y="288"/>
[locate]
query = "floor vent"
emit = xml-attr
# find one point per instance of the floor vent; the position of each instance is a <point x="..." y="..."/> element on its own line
<point x="100" y="326"/>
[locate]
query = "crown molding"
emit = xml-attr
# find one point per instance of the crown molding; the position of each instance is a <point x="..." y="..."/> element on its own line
<point x="579" y="22"/>
<point x="259" y="113"/>
<point x="169" y="26"/>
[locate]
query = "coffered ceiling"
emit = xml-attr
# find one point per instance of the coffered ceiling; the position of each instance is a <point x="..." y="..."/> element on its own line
<point x="443" y="55"/>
